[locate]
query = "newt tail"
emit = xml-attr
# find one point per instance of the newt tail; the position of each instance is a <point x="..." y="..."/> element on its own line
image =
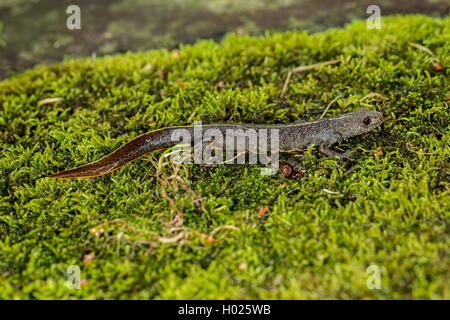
<point x="133" y="149"/>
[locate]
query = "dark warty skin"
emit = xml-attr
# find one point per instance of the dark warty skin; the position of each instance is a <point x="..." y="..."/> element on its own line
<point x="292" y="137"/>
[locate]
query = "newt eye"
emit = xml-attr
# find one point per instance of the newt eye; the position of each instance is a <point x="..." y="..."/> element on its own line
<point x="367" y="121"/>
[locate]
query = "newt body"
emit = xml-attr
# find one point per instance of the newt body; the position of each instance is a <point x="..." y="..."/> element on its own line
<point x="292" y="137"/>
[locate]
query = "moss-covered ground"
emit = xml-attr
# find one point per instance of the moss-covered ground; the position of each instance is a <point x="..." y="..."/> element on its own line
<point x="152" y="230"/>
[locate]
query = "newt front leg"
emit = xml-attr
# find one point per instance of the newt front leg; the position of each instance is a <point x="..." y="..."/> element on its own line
<point x="323" y="148"/>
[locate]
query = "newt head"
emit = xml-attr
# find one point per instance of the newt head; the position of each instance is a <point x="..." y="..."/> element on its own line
<point x="357" y="122"/>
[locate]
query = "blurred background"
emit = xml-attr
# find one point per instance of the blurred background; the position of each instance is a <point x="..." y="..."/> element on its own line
<point x="34" y="31"/>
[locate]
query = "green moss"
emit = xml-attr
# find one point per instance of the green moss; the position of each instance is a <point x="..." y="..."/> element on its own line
<point x="390" y="210"/>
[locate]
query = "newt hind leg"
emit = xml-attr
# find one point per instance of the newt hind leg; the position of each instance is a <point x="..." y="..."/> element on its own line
<point x="323" y="148"/>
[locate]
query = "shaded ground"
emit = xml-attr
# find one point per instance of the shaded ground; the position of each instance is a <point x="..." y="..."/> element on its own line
<point x="35" y="31"/>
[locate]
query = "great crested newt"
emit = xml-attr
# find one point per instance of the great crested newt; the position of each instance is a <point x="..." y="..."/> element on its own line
<point x="292" y="137"/>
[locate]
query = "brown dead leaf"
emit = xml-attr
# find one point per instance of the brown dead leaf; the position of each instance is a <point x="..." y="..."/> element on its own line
<point x="160" y="73"/>
<point x="83" y="282"/>
<point x="240" y="32"/>
<point x="437" y="66"/>
<point x="263" y="211"/>
<point x="97" y="231"/>
<point x="147" y="67"/>
<point x="88" y="257"/>
<point x="378" y="153"/>
<point x="221" y="85"/>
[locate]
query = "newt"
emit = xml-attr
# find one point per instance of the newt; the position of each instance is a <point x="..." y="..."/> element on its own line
<point x="294" y="136"/>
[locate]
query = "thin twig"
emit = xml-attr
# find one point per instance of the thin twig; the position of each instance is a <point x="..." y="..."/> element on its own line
<point x="226" y="227"/>
<point x="421" y="47"/>
<point x="302" y="69"/>
<point x="374" y="94"/>
<point x="288" y="78"/>
<point x="409" y="146"/>
<point x="367" y="105"/>
<point x="328" y="107"/>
